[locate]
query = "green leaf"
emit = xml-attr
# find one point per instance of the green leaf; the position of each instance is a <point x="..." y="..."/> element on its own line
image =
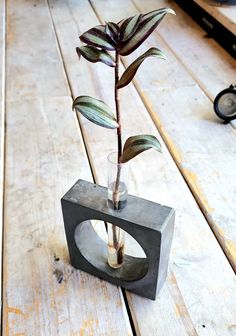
<point x="130" y="72"/>
<point x="96" y="111"/>
<point x="138" y="144"/>
<point x="146" y="26"/>
<point x="92" y="54"/>
<point x="98" y="37"/>
<point x="129" y="26"/>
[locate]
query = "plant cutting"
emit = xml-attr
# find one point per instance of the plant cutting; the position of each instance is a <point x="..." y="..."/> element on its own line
<point x="122" y="39"/>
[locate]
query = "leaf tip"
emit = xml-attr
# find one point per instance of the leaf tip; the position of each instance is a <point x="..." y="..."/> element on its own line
<point x="171" y="11"/>
<point x="164" y="57"/>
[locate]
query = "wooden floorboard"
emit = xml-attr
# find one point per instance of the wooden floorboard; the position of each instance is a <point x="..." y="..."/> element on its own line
<point x="203" y="148"/>
<point x="207" y="62"/>
<point x="2" y="120"/>
<point x="214" y="73"/>
<point x="198" y="296"/>
<point x="45" y="155"/>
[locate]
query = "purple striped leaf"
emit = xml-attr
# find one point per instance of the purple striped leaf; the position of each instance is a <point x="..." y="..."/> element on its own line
<point x="119" y="24"/>
<point x="129" y="26"/>
<point x="146" y="26"/>
<point x="98" y="37"/>
<point x="130" y="72"/>
<point x="96" y="111"/>
<point x="92" y="54"/>
<point x="112" y="29"/>
<point x="138" y="144"/>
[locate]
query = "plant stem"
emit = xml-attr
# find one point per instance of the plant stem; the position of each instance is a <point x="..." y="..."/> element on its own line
<point x="119" y="135"/>
<point x="119" y="152"/>
<point x="117" y="102"/>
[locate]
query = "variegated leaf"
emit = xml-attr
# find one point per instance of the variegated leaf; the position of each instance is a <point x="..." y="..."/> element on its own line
<point x="112" y="30"/>
<point x="146" y="26"/>
<point x="138" y="144"/>
<point x="130" y="72"/>
<point x="98" y="37"/>
<point x="96" y="111"/>
<point x="119" y="24"/>
<point x="92" y="54"/>
<point x="152" y="13"/>
<point x="129" y="27"/>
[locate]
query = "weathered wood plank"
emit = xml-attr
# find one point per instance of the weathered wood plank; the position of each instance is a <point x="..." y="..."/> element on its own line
<point x="197" y="298"/>
<point x="203" y="147"/>
<point x="2" y="50"/>
<point x="225" y="15"/>
<point x="2" y="119"/>
<point x="43" y="294"/>
<point x="211" y="66"/>
<point x="192" y="132"/>
<point x="191" y="45"/>
<point x="29" y="59"/>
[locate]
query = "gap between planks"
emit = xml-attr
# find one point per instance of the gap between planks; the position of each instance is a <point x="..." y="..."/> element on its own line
<point x="171" y="147"/>
<point x="92" y="169"/>
<point x="195" y="75"/>
<point x="2" y="137"/>
<point x="205" y="227"/>
<point x="58" y="94"/>
<point x="71" y="93"/>
<point x="190" y="180"/>
<point x="174" y="154"/>
<point x="182" y="62"/>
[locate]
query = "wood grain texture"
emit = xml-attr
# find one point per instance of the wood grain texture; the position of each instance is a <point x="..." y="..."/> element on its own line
<point x="2" y="126"/>
<point x="44" y="295"/>
<point x="45" y="155"/>
<point x="31" y="45"/>
<point x="198" y="296"/>
<point x="2" y="51"/>
<point x="207" y="62"/>
<point x="225" y="15"/>
<point x="203" y="148"/>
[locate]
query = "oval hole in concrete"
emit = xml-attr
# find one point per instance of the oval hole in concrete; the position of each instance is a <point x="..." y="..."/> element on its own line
<point x="93" y="247"/>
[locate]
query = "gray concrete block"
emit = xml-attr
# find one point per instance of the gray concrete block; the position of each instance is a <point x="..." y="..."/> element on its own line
<point x="149" y="223"/>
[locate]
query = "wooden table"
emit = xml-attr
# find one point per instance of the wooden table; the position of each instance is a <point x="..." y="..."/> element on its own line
<point x="45" y="149"/>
